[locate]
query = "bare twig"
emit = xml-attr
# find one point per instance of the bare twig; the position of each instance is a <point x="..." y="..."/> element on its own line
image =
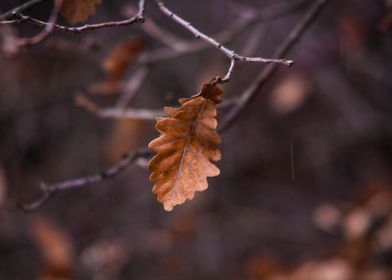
<point x="4" y="22"/>
<point x="80" y="29"/>
<point x="48" y="190"/>
<point x="227" y="35"/>
<point x="254" y="40"/>
<point x="120" y="113"/>
<point x="138" y="18"/>
<point x="249" y="94"/>
<point x="132" y="113"/>
<point x="157" y="32"/>
<point x="86" y="103"/>
<point x="131" y="87"/>
<point x="232" y="55"/>
<point x="11" y="13"/>
<point x="141" y="9"/>
<point x="226" y="78"/>
<point x="164" y="36"/>
<point x="47" y="30"/>
<point x="116" y="112"/>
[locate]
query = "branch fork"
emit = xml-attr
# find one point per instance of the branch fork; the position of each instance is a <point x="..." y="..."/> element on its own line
<point x="231" y="54"/>
<point x="48" y="190"/>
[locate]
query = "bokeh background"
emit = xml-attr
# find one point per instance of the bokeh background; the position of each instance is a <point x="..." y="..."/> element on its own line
<point x="305" y="190"/>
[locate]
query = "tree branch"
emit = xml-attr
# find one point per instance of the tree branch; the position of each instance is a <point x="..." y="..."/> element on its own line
<point x="131" y="87"/>
<point x="138" y="18"/>
<point x="48" y="190"/>
<point x="120" y="113"/>
<point x="225" y="36"/>
<point x="117" y="112"/>
<point x="11" y="13"/>
<point x="47" y="30"/>
<point x="249" y="94"/>
<point x="232" y="55"/>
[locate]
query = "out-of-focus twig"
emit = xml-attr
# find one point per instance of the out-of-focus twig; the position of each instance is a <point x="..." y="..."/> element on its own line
<point x="226" y="36"/>
<point x="133" y="113"/>
<point x="157" y="32"/>
<point x="130" y="113"/>
<point x="232" y="55"/>
<point x="47" y="30"/>
<point x="131" y="87"/>
<point x="117" y="112"/>
<point x="48" y="190"/>
<point x="249" y="94"/>
<point x="138" y="18"/>
<point x="4" y="22"/>
<point x="11" y="13"/>
<point x="250" y="46"/>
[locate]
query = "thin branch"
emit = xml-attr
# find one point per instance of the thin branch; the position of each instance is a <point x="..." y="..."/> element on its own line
<point x="47" y="30"/>
<point x="227" y="77"/>
<point x="157" y="32"/>
<point x="4" y="22"/>
<point x="249" y="94"/>
<point x="227" y="35"/>
<point x="116" y="112"/>
<point x="11" y="13"/>
<point x="131" y="87"/>
<point x="132" y="113"/>
<point x="232" y="55"/>
<point x="138" y="18"/>
<point x="142" y="8"/>
<point x="48" y="190"/>
<point x="164" y="36"/>
<point x="120" y="113"/>
<point x="80" y="29"/>
<point x="254" y="39"/>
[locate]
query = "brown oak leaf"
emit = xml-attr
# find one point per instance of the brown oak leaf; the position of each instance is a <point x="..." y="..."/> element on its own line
<point x="76" y="11"/>
<point x="187" y="145"/>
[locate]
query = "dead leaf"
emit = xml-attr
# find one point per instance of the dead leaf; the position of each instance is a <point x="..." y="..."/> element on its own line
<point x="56" y="250"/>
<point x="117" y="64"/>
<point x="187" y="144"/>
<point x="76" y="11"/>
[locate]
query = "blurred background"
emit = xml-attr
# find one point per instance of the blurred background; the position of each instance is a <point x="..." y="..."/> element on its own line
<point x="305" y="190"/>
